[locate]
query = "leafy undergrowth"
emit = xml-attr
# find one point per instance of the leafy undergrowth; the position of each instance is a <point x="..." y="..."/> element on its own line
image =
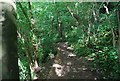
<point x="104" y="58"/>
<point x="100" y="49"/>
<point x="107" y="62"/>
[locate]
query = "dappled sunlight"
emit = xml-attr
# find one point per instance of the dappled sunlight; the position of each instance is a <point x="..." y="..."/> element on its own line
<point x="71" y="55"/>
<point x="67" y="67"/>
<point x="59" y="70"/>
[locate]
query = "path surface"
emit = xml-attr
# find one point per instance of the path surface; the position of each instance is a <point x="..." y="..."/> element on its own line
<point x="67" y="65"/>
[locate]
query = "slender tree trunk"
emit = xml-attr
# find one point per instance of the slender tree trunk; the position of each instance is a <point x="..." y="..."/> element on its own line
<point x="88" y="38"/>
<point x="33" y="26"/>
<point x="113" y="34"/>
<point x="76" y="17"/>
<point x="33" y="66"/>
<point x="31" y="15"/>
<point x="24" y="12"/>
<point x="95" y="21"/>
<point x="32" y="51"/>
<point x="118" y="17"/>
<point x="59" y="25"/>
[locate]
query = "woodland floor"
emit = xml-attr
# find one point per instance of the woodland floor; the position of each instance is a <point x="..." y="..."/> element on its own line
<point x="67" y="65"/>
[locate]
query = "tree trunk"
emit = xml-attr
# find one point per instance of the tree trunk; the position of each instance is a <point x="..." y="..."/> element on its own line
<point x="24" y="12"/>
<point x="76" y="17"/>
<point x="113" y="34"/>
<point x="59" y="25"/>
<point x="88" y="38"/>
<point x="34" y="43"/>
<point x="118" y="17"/>
<point x="9" y="42"/>
<point x="31" y="15"/>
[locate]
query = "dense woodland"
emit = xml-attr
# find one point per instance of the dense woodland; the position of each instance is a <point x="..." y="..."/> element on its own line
<point x="91" y="28"/>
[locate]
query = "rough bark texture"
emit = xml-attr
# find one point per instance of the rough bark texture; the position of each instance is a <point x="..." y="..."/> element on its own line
<point x="9" y="43"/>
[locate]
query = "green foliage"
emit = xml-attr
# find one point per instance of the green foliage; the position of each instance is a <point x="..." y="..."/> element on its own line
<point x="23" y="68"/>
<point x="89" y="37"/>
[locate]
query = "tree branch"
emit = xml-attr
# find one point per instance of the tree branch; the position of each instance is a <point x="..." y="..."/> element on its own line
<point x="24" y="12"/>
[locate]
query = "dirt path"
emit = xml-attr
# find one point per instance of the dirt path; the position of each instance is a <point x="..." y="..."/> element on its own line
<point x="67" y="65"/>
